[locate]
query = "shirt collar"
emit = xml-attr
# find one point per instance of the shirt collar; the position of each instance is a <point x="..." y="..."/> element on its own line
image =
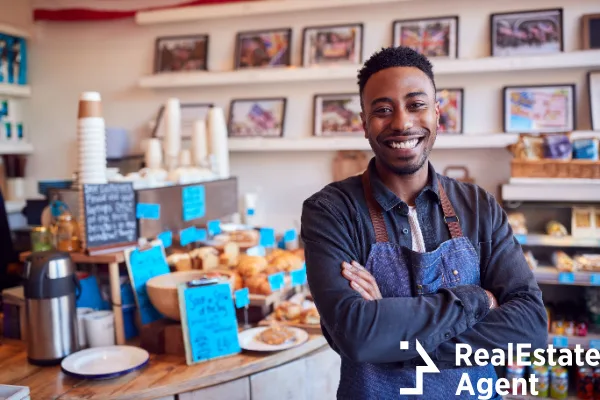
<point x="388" y="199"/>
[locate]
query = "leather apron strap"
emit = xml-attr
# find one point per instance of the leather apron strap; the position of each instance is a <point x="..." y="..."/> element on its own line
<point x="378" y="221"/>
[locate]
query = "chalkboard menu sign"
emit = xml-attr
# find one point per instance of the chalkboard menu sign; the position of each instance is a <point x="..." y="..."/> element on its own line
<point x="110" y="219"/>
<point x="209" y="322"/>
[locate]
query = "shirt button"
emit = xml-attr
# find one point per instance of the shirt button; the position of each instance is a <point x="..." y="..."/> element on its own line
<point x="447" y="335"/>
<point x="477" y="315"/>
<point x="405" y="231"/>
<point x="455" y="272"/>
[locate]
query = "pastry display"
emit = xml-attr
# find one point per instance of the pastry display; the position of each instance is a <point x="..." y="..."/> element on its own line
<point x="518" y="223"/>
<point x="286" y="262"/>
<point x="288" y="311"/>
<point x="276" y="335"/>
<point x="258" y="284"/>
<point x="244" y="238"/>
<point x="311" y="316"/>
<point x="563" y="262"/>
<point x="205" y="258"/>
<point x="555" y="228"/>
<point x="180" y="261"/>
<point x="251" y="265"/>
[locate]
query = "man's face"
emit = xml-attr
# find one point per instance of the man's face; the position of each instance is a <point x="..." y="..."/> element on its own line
<point x="400" y="118"/>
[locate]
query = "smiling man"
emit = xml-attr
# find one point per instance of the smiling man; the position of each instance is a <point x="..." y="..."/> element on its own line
<point x="402" y="253"/>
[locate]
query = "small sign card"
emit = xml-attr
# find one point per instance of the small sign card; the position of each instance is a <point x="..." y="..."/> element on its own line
<point x="143" y="265"/>
<point x="194" y="202"/>
<point x="209" y="323"/>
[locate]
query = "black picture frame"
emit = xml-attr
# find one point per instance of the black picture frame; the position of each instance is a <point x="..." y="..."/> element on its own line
<point x="561" y="36"/>
<point x="455" y="18"/>
<point x="594" y="105"/>
<point x="201" y="37"/>
<point x="183" y="106"/>
<point x="238" y="48"/>
<point x="361" y="41"/>
<point x="316" y="131"/>
<point x="572" y="126"/>
<point x="461" y="111"/>
<point x="590" y="31"/>
<point x="230" y="121"/>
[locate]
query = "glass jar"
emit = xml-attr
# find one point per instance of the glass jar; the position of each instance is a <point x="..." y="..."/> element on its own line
<point x="67" y="233"/>
<point x="41" y="239"/>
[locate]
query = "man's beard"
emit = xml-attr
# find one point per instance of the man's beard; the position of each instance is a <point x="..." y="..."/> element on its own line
<point x="408" y="169"/>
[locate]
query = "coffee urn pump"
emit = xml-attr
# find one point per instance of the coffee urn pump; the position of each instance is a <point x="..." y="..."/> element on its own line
<point x="50" y="289"/>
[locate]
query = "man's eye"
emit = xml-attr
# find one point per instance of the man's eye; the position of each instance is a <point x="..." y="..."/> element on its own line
<point x="417" y="105"/>
<point x="383" y="110"/>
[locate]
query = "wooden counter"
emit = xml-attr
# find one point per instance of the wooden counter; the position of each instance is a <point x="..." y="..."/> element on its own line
<point x="246" y="376"/>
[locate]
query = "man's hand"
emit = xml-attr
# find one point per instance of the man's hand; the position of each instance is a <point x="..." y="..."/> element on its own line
<point x="493" y="301"/>
<point x="361" y="280"/>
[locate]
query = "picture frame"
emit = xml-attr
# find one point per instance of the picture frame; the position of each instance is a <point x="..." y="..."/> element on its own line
<point x="337" y="114"/>
<point x="190" y="112"/>
<point x="181" y="53"/>
<point x="527" y="32"/>
<point x="593" y="80"/>
<point x="332" y="44"/>
<point x="262" y="117"/>
<point x="590" y="31"/>
<point x="526" y="108"/>
<point x="267" y="48"/>
<point x="433" y="37"/>
<point x="451" y="102"/>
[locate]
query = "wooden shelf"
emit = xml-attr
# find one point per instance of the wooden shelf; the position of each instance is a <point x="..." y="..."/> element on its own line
<point x="494" y="140"/>
<point x="552" y="190"/>
<point x="14" y="31"/>
<point x="246" y="9"/>
<point x="15" y="148"/>
<point x="12" y="90"/>
<point x="549" y="275"/>
<point x="253" y="76"/>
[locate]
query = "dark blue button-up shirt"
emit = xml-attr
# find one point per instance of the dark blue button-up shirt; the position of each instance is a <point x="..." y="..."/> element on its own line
<point x="336" y="227"/>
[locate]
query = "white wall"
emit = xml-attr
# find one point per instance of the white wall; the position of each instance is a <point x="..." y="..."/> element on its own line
<point x="109" y="57"/>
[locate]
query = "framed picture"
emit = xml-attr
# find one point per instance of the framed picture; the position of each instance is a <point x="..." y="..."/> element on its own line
<point x="181" y="53"/>
<point x="190" y="113"/>
<point x="257" y="117"/>
<point x="432" y="37"/>
<point x="335" y="44"/>
<point x="451" y="110"/>
<point x="590" y="31"/>
<point x="594" y="90"/>
<point x="541" y="108"/>
<point x="527" y="32"/>
<point x="263" y="49"/>
<point x="337" y="115"/>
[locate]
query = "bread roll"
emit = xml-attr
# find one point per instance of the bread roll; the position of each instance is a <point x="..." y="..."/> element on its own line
<point x="251" y="265"/>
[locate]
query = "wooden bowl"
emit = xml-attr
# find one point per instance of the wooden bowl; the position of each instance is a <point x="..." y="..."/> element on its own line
<point x="162" y="289"/>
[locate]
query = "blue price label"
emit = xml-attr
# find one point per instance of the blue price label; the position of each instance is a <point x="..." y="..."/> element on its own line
<point x="595" y="279"/>
<point x="147" y="211"/>
<point x="298" y="277"/>
<point x="560" y="341"/>
<point x="594" y="344"/>
<point x="276" y="281"/>
<point x="214" y="227"/>
<point x="187" y="235"/>
<point x="194" y="202"/>
<point x="267" y="237"/>
<point x="566" y="277"/>
<point x="242" y="298"/>
<point x="201" y="235"/>
<point x="166" y="238"/>
<point x="290" y="235"/>
<point x="522" y="239"/>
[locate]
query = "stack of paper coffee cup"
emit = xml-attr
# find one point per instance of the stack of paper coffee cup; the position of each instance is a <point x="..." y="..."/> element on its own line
<point x="91" y="144"/>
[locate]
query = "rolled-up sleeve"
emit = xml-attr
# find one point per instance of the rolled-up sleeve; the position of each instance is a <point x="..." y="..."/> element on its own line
<point x="521" y="317"/>
<point x="371" y="331"/>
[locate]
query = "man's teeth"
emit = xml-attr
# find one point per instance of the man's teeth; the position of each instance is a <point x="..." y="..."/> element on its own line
<point x="407" y="144"/>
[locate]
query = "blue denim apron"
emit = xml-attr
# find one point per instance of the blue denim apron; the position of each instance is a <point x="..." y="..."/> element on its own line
<point x="402" y="272"/>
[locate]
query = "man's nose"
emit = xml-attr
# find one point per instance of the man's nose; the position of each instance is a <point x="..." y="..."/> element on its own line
<point x="401" y="120"/>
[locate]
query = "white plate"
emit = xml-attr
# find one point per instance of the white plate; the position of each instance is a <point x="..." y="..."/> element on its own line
<point x="104" y="362"/>
<point x="248" y="340"/>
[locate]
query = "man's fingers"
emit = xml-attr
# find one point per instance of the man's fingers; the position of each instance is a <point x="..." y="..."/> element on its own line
<point x="363" y="292"/>
<point x="356" y="279"/>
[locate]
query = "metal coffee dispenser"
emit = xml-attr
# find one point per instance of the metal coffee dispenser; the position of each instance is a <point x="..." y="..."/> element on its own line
<point x="50" y="292"/>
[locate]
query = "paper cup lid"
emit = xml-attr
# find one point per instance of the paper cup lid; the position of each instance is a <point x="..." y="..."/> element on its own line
<point x="90" y="96"/>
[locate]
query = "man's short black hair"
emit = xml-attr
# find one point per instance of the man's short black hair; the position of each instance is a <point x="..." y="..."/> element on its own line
<point x="389" y="57"/>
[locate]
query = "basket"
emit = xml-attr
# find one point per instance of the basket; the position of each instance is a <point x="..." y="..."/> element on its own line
<point x="555" y="169"/>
